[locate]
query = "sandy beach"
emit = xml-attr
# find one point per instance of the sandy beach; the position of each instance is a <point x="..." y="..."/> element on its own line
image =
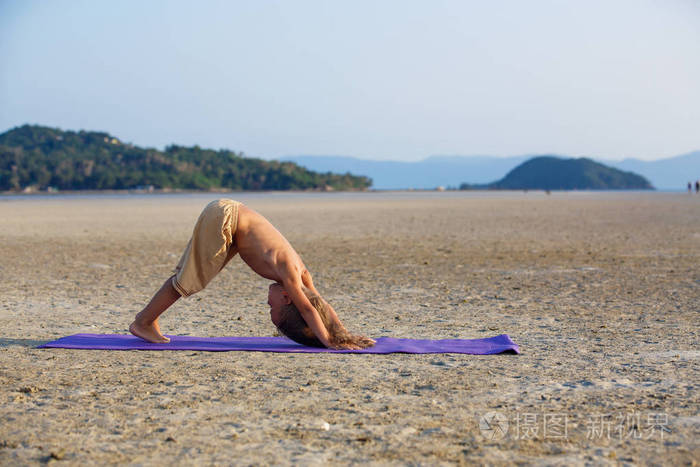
<point x="600" y="290"/>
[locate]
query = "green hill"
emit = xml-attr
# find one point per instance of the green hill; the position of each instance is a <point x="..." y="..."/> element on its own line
<point x="554" y="173"/>
<point x="40" y="157"/>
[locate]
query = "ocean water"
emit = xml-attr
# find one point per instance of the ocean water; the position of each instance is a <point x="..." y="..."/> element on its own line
<point x="378" y="195"/>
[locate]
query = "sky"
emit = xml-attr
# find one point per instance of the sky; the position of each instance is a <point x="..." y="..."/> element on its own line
<point x="375" y="79"/>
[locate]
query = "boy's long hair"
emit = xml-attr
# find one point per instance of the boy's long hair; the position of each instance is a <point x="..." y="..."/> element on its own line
<point x="293" y="325"/>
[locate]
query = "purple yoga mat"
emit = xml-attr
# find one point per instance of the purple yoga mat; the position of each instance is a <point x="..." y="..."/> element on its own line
<point x="384" y="345"/>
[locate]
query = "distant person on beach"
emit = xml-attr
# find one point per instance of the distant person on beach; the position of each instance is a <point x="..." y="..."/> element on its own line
<point x="226" y="228"/>
<point x="697" y="186"/>
<point x="690" y="187"/>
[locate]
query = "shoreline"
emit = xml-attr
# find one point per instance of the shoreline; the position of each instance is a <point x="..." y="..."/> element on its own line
<point x="7" y="196"/>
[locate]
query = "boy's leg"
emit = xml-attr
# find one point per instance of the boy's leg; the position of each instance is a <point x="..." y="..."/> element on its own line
<point x="145" y="324"/>
<point x="207" y="252"/>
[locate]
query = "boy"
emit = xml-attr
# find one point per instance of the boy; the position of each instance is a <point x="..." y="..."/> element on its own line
<point x="225" y="228"/>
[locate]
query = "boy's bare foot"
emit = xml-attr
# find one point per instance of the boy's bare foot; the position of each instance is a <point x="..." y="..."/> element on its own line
<point x="150" y="333"/>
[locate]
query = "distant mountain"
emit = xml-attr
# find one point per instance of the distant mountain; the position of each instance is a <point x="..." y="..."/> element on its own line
<point x="555" y="173"/>
<point x="36" y="157"/>
<point x="447" y="171"/>
<point x="665" y="174"/>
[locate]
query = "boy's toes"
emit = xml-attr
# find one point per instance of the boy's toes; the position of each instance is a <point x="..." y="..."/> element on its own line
<point x="149" y="334"/>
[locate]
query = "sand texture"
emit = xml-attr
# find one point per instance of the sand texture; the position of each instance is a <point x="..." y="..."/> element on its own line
<point x="600" y="290"/>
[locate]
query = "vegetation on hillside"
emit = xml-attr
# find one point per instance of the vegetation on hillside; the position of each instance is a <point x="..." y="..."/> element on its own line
<point x="38" y="157"/>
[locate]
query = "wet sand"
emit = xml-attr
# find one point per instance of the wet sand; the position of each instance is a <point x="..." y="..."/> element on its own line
<point x="600" y="290"/>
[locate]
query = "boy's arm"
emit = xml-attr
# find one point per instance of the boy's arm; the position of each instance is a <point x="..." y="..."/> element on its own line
<point x="309" y="284"/>
<point x="307" y="310"/>
<point x="338" y="336"/>
<point x="333" y="316"/>
<point x="337" y="332"/>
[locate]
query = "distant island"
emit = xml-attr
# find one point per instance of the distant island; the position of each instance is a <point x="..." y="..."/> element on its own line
<point x="450" y="171"/>
<point x="555" y="173"/>
<point x="40" y="158"/>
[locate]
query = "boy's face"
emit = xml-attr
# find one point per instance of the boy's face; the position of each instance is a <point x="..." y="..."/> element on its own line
<point x="277" y="298"/>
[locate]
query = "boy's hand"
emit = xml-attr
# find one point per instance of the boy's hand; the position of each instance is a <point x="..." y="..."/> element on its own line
<point x="365" y="341"/>
<point x="344" y="346"/>
<point x="347" y="341"/>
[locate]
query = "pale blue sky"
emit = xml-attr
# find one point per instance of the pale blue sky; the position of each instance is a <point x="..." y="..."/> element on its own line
<point x="373" y="79"/>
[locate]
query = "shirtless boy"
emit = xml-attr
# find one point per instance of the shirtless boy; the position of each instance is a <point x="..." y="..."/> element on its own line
<point x="226" y="228"/>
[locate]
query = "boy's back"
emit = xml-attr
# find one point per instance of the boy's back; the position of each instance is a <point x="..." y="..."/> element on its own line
<point x="264" y="248"/>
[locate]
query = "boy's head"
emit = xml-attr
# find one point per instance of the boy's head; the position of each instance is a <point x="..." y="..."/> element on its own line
<point x="286" y="316"/>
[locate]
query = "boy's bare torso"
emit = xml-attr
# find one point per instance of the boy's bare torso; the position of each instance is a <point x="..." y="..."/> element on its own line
<point x="265" y="249"/>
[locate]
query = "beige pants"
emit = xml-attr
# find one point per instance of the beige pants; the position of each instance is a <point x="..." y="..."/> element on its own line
<point x="210" y="248"/>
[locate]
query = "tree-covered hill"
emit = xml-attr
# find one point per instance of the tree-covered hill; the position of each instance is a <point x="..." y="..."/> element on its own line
<point x="555" y="173"/>
<point x="39" y="157"/>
